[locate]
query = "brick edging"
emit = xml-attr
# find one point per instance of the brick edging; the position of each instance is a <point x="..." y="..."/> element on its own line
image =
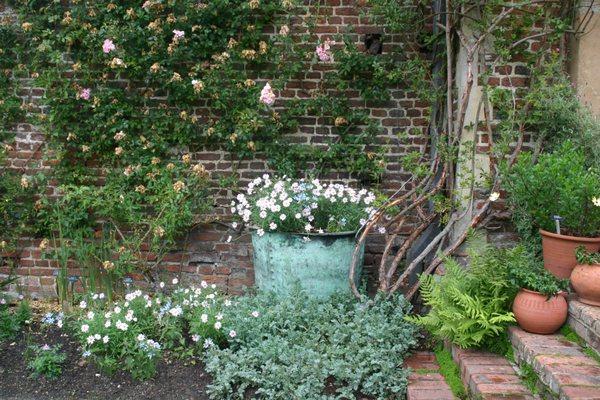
<point x="585" y="321"/>
<point x="489" y="376"/>
<point x="560" y="364"/>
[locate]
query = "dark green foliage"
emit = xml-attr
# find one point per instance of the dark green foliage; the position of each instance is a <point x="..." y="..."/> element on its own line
<point x="585" y="257"/>
<point x="552" y="111"/>
<point x="12" y="320"/>
<point x="16" y="191"/>
<point x="527" y="271"/>
<point x="10" y="104"/>
<point x="501" y="345"/>
<point x="560" y="183"/>
<point x="292" y="347"/>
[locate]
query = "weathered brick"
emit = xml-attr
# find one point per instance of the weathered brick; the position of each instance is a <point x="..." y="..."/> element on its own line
<point x="489" y="376"/>
<point x="561" y="365"/>
<point x="428" y="385"/>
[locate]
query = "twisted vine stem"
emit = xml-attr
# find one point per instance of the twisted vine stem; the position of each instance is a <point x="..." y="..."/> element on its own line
<point x="442" y="176"/>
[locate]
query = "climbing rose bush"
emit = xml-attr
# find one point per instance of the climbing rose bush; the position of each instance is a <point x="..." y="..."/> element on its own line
<point x="302" y="206"/>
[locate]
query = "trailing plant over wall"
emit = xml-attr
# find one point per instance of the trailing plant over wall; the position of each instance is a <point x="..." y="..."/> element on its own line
<point x="132" y="89"/>
<point x="183" y="73"/>
<point x="130" y="231"/>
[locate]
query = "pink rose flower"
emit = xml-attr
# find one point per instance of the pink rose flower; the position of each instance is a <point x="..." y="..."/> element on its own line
<point x="267" y="96"/>
<point x="85" y="93"/>
<point x="178" y="34"/>
<point x="323" y="51"/>
<point x="108" y="46"/>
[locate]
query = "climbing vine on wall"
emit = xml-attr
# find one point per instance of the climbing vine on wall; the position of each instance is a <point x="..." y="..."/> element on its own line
<point x="132" y="89"/>
<point x="16" y="190"/>
<point x="187" y="73"/>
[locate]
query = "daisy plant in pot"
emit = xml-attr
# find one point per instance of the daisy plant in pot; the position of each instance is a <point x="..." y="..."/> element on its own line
<point x="559" y="195"/>
<point x="303" y="232"/>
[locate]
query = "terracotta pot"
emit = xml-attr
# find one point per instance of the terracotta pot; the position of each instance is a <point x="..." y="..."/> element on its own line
<point x="559" y="252"/>
<point x="586" y="282"/>
<point x="536" y="313"/>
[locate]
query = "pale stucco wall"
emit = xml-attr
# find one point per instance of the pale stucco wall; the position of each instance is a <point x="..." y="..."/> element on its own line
<point x="584" y="66"/>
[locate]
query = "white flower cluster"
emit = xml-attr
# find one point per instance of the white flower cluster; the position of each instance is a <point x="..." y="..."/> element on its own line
<point x="103" y="326"/>
<point x="311" y="206"/>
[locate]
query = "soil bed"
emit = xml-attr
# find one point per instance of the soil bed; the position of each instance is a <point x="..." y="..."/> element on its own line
<point x="176" y="379"/>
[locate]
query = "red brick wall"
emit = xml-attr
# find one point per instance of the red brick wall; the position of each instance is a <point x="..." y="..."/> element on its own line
<point x="209" y="253"/>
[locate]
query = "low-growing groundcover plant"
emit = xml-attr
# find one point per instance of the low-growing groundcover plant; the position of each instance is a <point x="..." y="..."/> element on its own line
<point x="293" y="347"/>
<point x="45" y="360"/>
<point x="302" y="206"/>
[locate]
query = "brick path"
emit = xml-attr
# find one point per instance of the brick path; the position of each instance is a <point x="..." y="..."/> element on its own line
<point x="489" y="376"/>
<point x="560" y="364"/>
<point x="425" y="382"/>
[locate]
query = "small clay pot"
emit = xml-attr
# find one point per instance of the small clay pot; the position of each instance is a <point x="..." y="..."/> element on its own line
<point x="536" y="313"/>
<point x="559" y="252"/>
<point x="585" y="279"/>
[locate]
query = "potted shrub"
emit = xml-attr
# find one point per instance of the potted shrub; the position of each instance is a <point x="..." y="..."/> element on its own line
<point x="585" y="277"/>
<point x="303" y="232"/>
<point x="540" y="305"/>
<point x="559" y="195"/>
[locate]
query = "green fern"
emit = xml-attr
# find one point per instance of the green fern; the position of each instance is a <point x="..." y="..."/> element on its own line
<point x="470" y="306"/>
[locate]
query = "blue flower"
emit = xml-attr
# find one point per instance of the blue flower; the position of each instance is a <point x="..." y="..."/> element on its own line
<point x="166" y="307"/>
<point x="48" y="318"/>
<point x="301" y="197"/>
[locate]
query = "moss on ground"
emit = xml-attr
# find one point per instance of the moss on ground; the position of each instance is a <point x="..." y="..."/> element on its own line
<point x="424" y="371"/>
<point x="450" y="371"/>
<point x="530" y="378"/>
